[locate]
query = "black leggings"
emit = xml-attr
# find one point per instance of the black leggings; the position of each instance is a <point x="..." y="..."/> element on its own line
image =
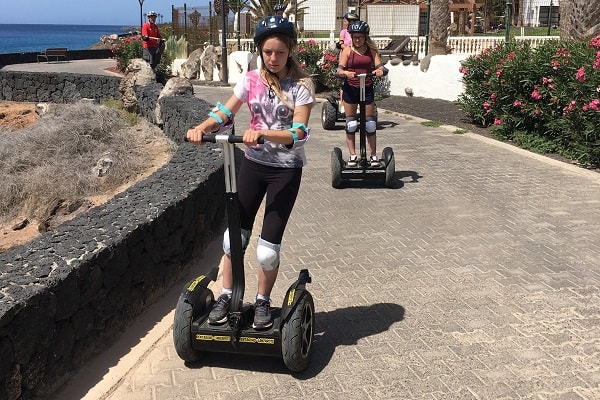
<point x="281" y="185"/>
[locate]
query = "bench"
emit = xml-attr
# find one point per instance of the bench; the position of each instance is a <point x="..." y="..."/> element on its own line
<point x="396" y="47"/>
<point x="58" y="53"/>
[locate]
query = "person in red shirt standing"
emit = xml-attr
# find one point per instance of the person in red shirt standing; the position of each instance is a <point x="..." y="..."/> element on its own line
<point x="152" y="42"/>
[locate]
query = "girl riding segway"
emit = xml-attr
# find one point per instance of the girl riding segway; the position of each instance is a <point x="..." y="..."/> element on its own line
<point x="280" y="96"/>
<point x="362" y="56"/>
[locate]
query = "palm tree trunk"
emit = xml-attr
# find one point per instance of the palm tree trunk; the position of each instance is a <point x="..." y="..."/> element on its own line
<point x="579" y="19"/>
<point x="438" y="27"/>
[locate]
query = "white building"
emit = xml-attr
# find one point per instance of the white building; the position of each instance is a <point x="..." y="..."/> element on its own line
<point x="535" y="12"/>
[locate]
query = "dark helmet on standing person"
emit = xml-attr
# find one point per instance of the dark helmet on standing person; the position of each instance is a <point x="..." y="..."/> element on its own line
<point x="351" y="16"/>
<point x="152" y="14"/>
<point x="272" y="25"/>
<point x="359" y="27"/>
<point x="279" y="7"/>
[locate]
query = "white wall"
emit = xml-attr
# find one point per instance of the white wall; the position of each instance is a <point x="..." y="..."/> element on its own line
<point x="441" y="81"/>
<point x="386" y="20"/>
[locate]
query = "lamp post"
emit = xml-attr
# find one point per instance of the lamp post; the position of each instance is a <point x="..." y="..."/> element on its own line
<point x="507" y="22"/>
<point x="427" y="27"/>
<point x="549" y="17"/>
<point x="224" y="16"/>
<point x="239" y="14"/>
<point x="141" y="15"/>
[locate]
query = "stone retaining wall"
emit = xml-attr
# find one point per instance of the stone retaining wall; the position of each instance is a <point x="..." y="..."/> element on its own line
<point x="67" y="295"/>
<point x="31" y="57"/>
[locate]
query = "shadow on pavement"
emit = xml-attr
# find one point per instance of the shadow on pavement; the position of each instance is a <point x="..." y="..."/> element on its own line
<point x="340" y="327"/>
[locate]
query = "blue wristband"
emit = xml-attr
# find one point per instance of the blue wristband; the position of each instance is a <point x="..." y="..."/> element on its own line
<point x="299" y="125"/>
<point x="216" y="117"/>
<point x="225" y="110"/>
<point x="294" y="134"/>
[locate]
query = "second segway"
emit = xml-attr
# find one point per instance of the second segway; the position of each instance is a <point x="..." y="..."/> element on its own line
<point x="340" y="170"/>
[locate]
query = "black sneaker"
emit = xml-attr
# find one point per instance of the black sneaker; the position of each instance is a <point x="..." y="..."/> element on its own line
<point x="262" y="314"/>
<point x="220" y="311"/>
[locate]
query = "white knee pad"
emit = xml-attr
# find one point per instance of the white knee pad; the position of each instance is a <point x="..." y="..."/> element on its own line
<point x="227" y="245"/>
<point x="370" y="126"/>
<point x="351" y="125"/>
<point x="267" y="254"/>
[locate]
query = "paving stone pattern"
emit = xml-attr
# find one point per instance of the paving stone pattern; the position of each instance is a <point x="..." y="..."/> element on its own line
<point x="477" y="277"/>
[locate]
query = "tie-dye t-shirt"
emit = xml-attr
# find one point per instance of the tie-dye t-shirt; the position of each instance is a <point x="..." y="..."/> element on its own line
<point x="269" y="112"/>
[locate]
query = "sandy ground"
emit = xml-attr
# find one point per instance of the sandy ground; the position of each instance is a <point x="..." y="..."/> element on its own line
<point x="14" y="116"/>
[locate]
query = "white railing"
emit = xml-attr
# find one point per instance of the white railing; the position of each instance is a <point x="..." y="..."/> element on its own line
<point x="470" y="45"/>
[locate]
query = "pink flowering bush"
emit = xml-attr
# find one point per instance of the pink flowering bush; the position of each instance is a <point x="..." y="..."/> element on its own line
<point x="545" y="99"/>
<point x="328" y="66"/>
<point x="128" y="48"/>
<point x="309" y="54"/>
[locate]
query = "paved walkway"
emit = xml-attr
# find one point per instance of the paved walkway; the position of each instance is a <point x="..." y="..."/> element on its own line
<point x="478" y="277"/>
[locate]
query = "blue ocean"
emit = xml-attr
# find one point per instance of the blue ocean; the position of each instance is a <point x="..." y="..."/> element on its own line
<point x="24" y="38"/>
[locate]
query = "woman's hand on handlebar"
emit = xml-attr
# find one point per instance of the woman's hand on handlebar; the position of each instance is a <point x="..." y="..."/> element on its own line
<point x="378" y="72"/>
<point x="349" y="74"/>
<point x="195" y="135"/>
<point x="251" y="137"/>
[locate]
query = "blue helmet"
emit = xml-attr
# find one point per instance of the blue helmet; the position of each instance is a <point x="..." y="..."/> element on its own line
<point x="279" y="7"/>
<point x="274" y="24"/>
<point x="351" y="16"/>
<point x="359" y="27"/>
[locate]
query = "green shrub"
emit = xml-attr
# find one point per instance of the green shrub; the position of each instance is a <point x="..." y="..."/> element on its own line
<point x="550" y="93"/>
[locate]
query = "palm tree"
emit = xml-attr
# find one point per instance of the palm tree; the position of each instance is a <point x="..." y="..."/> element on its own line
<point x="438" y="27"/>
<point x="261" y="9"/>
<point x="579" y="19"/>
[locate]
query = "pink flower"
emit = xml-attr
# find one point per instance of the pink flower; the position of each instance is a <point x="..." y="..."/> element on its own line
<point x="312" y="42"/>
<point x="595" y="104"/>
<point x="499" y="73"/>
<point x="568" y="109"/>
<point x="584" y="107"/>
<point x="486" y="105"/>
<point x="517" y="104"/>
<point x="493" y="96"/>
<point x="597" y="62"/>
<point x="546" y="81"/>
<point x="580" y="75"/>
<point x="498" y="121"/>
<point x="595" y="42"/>
<point x="537" y="111"/>
<point x="536" y="95"/>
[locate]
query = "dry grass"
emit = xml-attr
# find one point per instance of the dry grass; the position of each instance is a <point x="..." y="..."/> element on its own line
<point x="53" y="162"/>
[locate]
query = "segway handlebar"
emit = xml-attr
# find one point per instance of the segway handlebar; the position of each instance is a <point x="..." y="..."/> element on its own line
<point x="223" y="135"/>
<point x="365" y="74"/>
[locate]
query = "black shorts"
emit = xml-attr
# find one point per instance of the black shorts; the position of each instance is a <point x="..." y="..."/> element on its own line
<point x="351" y="94"/>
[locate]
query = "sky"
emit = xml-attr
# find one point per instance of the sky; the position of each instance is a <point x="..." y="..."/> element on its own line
<point x="85" y="12"/>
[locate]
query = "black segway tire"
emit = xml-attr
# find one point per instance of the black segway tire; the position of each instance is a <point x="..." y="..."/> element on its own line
<point x="390" y="166"/>
<point x="328" y="115"/>
<point x="297" y="335"/>
<point x="336" y="167"/>
<point x="182" y="325"/>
